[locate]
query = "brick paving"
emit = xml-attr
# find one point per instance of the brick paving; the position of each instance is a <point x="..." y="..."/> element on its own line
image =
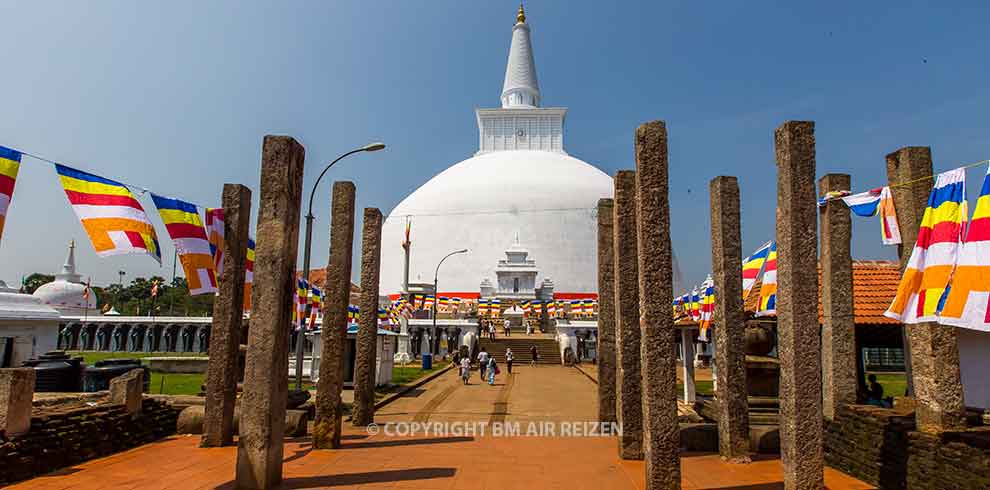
<point x="435" y="461"/>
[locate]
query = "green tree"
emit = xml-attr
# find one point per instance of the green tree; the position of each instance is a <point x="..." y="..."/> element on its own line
<point x="31" y="283"/>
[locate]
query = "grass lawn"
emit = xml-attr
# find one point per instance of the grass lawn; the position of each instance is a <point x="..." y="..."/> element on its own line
<point x="701" y="387"/>
<point x="91" y="357"/>
<point x="175" y="384"/>
<point x="893" y="384"/>
<point x="403" y="375"/>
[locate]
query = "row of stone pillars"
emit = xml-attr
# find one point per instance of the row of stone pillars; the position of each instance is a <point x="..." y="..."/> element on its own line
<point x="263" y="403"/>
<point x="818" y="367"/>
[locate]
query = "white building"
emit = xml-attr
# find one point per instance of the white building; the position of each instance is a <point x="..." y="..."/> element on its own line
<point x="521" y="182"/>
<point x="28" y="328"/>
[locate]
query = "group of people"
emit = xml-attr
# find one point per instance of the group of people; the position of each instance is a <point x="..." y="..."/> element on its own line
<point x="487" y="366"/>
<point x="488" y="328"/>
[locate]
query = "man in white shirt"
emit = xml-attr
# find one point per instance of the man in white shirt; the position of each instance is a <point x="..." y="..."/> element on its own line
<point x="483" y="362"/>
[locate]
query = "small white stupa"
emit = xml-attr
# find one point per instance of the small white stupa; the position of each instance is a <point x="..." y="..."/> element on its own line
<point x="67" y="293"/>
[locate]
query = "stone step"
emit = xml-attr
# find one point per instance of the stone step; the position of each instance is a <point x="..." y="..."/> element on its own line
<point x="545" y="347"/>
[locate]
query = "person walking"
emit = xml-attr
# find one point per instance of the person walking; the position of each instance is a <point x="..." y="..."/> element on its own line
<point x="533" y="355"/>
<point x="491" y="331"/>
<point x="508" y="360"/>
<point x="492" y="370"/>
<point x="483" y="362"/>
<point x="506" y="326"/>
<point x="466" y="369"/>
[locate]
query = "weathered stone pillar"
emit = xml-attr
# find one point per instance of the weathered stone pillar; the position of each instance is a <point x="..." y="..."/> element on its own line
<point x="16" y="396"/>
<point x="606" y="312"/>
<point x="799" y="341"/>
<point x="934" y="352"/>
<point x="728" y="319"/>
<point x="687" y="365"/>
<point x="127" y="390"/>
<point x="661" y="435"/>
<point x="628" y="380"/>
<point x="266" y="370"/>
<point x="839" y="379"/>
<point x="228" y="315"/>
<point x="367" y="336"/>
<point x="329" y="406"/>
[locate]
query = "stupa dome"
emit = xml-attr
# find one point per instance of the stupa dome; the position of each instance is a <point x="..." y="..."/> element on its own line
<point x="520" y="186"/>
<point x="66" y="293"/>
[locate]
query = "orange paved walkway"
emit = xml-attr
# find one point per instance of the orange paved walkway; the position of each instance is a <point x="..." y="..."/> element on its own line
<point x="435" y="461"/>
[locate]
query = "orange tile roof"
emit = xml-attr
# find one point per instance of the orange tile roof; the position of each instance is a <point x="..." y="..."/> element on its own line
<point x="319" y="276"/>
<point x="874" y="287"/>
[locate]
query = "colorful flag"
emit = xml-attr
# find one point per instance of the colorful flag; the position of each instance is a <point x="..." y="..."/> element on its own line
<point x="302" y="299"/>
<point x="495" y="308"/>
<point x="482" y="307"/>
<point x="428" y="303"/>
<point x="154" y="288"/>
<point x="112" y="217"/>
<point x="248" y="274"/>
<point x="10" y="163"/>
<point x="551" y="309"/>
<point x="768" y="290"/>
<point x="353" y="314"/>
<point x="214" y="233"/>
<point x="923" y="286"/>
<point x="315" y="303"/>
<point x="695" y="305"/>
<point x="707" y="309"/>
<point x="186" y="229"/>
<point x="536" y="308"/>
<point x="873" y="202"/>
<point x="752" y="266"/>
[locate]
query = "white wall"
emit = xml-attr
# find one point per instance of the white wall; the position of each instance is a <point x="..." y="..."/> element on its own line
<point x="974" y="362"/>
<point x="31" y="338"/>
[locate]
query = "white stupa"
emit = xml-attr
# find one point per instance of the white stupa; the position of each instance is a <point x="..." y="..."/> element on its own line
<point x="520" y="183"/>
<point x="67" y="293"/>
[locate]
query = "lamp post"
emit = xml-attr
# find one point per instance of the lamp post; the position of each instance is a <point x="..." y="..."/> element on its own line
<point x="300" y="337"/>
<point x="436" y="297"/>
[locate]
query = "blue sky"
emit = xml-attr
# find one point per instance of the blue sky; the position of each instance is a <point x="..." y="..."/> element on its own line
<point x="176" y="97"/>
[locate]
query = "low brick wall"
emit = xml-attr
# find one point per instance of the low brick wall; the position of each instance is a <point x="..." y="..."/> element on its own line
<point x="954" y="460"/>
<point x="870" y="443"/>
<point x="64" y="435"/>
<point x="881" y="447"/>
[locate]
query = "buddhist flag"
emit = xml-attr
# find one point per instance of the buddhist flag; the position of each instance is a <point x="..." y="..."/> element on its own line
<point x="873" y="202"/>
<point x="695" y="305"/>
<point x="428" y="303"/>
<point x="495" y="308"/>
<point x="707" y="309"/>
<point x="112" y="217"/>
<point x="214" y="233"/>
<point x="926" y="277"/>
<point x="551" y="309"/>
<point x="752" y="266"/>
<point x="186" y="229"/>
<point x="10" y="163"/>
<point x="248" y="274"/>
<point x="315" y="303"/>
<point x="302" y="299"/>
<point x="968" y="302"/>
<point x="483" y="307"/>
<point x="768" y="291"/>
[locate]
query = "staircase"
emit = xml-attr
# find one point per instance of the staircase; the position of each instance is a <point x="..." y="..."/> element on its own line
<point x="547" y="348"/>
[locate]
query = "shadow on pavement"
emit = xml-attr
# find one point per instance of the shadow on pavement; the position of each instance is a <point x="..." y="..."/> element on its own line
<point x="350" y="479"/>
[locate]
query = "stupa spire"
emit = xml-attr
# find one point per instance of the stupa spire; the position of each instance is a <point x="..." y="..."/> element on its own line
<point x="521" y="87"/>
<point x="68" y="272"/>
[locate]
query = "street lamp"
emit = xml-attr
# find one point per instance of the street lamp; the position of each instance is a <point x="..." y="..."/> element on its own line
<point x="309" y="241"/>
<point x="436" y="297"/>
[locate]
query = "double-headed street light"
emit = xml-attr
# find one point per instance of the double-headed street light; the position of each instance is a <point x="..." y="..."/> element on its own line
<point x="306" y="249"/>
<point x="436" y="297"/>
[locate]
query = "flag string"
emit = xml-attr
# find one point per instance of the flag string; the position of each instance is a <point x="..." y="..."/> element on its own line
<point x="141" y="190"/>
<point x="914" y="181"/>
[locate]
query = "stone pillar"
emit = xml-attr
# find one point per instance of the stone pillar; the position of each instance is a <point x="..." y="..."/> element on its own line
<point x="367" y="336"/>
<point x="839" y="379"/>
<point x="127" y="390"/>
<point x="266" y="366"/>
<point x="661" y="435"/>
<point x="16" y="396"/>
<point x="687" y="365"/>
<point x="228" y="315"/>
<point x="799" y="341"/>
<point x="729" y="321"/>
<point x="337" y="290"/>
<point x="606" y="313"/>
<point x="934" y="352"/>
<point x="629" y="397"/>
